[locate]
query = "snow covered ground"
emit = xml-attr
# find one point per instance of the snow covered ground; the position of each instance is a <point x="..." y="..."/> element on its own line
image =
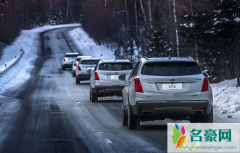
<point x="226" y="97"/>
<point x="9" y="58"/>
<point x="87" y="46"/>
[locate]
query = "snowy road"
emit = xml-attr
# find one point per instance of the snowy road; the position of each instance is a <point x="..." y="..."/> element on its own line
<point x="53" y="114"/>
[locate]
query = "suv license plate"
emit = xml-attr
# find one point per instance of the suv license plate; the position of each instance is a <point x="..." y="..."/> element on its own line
<point x="172" y="86"/>
<point x="114" y="76"/>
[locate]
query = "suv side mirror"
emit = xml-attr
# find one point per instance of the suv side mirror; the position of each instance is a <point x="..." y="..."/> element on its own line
<point x="89" y="71"/>
<point x="205" y="73"/>
<point x="122" y="77"/>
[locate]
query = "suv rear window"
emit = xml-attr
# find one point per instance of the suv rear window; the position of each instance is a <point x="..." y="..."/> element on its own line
<point x="89" y="62"/>
<point x="71" y="55"/>
<point x="115" y="66"/>
<point x="171" y="68"/>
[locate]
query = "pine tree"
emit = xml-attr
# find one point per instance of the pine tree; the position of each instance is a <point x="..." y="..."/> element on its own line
<point x="216" y="35"/>
<point x="158" y="45"/>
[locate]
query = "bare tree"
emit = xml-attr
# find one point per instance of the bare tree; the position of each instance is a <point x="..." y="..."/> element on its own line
<point x="144" y="15"/>
<point x="67" y="10"/>
<point x="150" y="13"/>
<point x="136" y="18"/>
<point x="176" y="28"/>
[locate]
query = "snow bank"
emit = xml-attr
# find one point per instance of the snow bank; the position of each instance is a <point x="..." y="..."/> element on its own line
<point x="88" y="46"/>
<point x="227" y="97"/>
<point x="29" y="41"/>
<point x="8" y="65"/>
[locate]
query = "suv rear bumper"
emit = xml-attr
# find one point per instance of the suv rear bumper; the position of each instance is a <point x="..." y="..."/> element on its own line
<point x="67" y="65"/>
<point x="84" y="76"/>
<point x="109" y="90"/>
<point x="171" y="109"/>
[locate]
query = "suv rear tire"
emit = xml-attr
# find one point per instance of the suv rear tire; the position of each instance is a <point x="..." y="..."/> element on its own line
<point x="77" y="80"/>
<point x="124" y="118"/>
<point x="93" y="96"/>
<point x="63" y="68"/>
<point x="133" y="121"/>
<point x="208" y="118"/>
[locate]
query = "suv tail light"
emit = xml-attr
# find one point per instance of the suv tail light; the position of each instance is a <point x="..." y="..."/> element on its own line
<point x="138" y="86"/>
<point x="96" y="76"/>
<point x="79" y="68"/>
<point x="64" y="59"/>
<point x="205" y="85"/>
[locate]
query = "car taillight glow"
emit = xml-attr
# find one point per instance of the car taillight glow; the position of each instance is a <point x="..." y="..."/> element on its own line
<point x="101" y="90"/>
<point x="79" y="68"/>
<point x="64" y="60"/>
<point x="96" y="76"/>
<point x="138" y="86"/>
<point x="205" y="85"/>
<point x="147" y="109"/>
<point x="197" y="108"/>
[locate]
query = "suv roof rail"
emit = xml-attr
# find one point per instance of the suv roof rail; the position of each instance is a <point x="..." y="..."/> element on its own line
<point x="146" y="58"/>
<point x="72" y="53"/>
<point x="190" y="58"/>
<point x="122" y="59"/>
<point x="169" y="57"/>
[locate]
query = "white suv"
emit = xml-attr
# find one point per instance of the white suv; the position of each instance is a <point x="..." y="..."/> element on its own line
<point x="68" y="60"/>
<point x="160" y="88"/>
<point x="83" y="66"/>
<point x="104" y="79"/>
<point x="76" y="63"/>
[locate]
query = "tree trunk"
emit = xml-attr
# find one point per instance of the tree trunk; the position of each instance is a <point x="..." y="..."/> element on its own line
<point x="150" y="13"/>
<point x="176" y="26"/>
<point x="67" y="10"/>
<point x="106" y="5"/>
<point x="191" y="7"/>
<point x="126" y="9"/>
<point x="136" y="18"/>
<point x="144" y="15"/>
<point x="237" y="65"/>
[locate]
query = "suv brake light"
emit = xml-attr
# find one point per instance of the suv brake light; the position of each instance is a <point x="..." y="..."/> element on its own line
<point x="64" y="59"/>
<point x="138" y="86"/>
<point x="96" y="76"/>
<point x="79" y="68"/>
<point x="205" y="85"/>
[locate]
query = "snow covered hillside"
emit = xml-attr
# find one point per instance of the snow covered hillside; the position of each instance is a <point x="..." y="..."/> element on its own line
<point x="226" y="97"/>
<point x="87" y="46"/>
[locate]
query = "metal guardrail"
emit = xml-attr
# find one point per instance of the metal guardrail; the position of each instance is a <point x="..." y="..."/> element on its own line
<point x="13" y="64"/>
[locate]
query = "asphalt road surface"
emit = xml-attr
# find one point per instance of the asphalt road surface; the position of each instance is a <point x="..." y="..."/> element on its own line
<point x="56" y="115"/>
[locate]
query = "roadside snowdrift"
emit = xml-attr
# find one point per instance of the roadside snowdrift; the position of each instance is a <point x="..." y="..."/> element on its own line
<point x="226" y="97"/>
<point x="88" y="47"/>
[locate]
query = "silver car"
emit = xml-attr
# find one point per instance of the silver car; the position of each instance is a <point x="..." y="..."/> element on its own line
<point x="104" y="79"/>
<point x="68" y="60"/>
<point x="83" y="66"/>
<point x="74" y="65"/>
<point x="160" y="88"/>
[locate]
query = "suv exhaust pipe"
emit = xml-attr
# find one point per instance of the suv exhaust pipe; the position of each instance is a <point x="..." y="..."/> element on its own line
<point x="146" y="111"/>
<point x="198" y="112"/>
